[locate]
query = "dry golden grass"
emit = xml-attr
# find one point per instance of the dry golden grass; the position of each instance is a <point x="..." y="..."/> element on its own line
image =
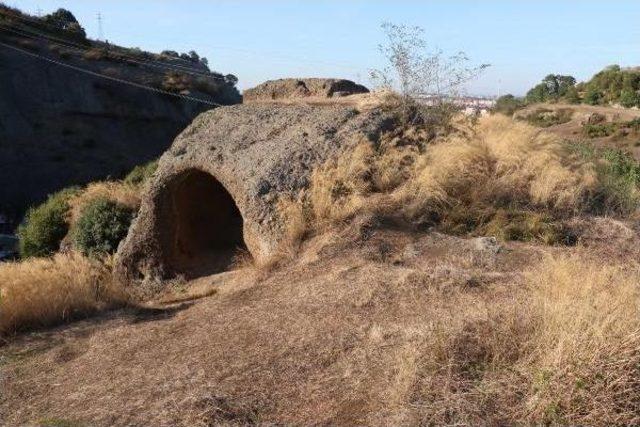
<point x="459" y="182"/>
<point x="434" y="333"/>
<point x="584" y="355"/>
<point x="116" y="191"/>
<point x="564" y="350"/>
<point x="43" y="291"/>
<point x="504" y="163"/>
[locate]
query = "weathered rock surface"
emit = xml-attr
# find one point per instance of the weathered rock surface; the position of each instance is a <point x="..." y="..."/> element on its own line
<point x="302" y="88"/>
<point x="247" y="156"/>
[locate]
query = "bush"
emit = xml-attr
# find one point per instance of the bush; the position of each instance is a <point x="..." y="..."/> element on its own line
<point x="572" y="96"/>
<point x="592" y="97"/>
<point x="96" y="54"/>
<point x="544" y="118"/>
<point x="526" y="226"/>
<point x="101" y="226"/>
<point x="140" y="174"/>
<point x="507" y="105"/>
<point x="618" y="180"/>
<point x="45" y="226"/>
<point x="628" y="98"/>
<point x="599" y="130"/>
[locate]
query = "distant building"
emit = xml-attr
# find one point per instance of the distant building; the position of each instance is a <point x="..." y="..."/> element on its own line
<point x="468" y="104"/>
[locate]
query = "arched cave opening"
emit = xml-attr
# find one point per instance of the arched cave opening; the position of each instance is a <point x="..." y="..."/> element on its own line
<point x="203" y="226"/>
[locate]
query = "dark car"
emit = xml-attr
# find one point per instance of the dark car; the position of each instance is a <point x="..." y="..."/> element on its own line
<point x="8" y="247"/>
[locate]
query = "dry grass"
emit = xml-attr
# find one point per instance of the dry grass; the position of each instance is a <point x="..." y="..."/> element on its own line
<point x="43" y="291"/>
<point x="459" y="182"/>
<point x="431" y="334"/>
<point x="584" y="355"/>
<point x="564" y="350"/>
<point x="504" y="163"/>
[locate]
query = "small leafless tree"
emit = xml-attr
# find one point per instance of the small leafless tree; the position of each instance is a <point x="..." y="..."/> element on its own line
<point x="413" y="71"/>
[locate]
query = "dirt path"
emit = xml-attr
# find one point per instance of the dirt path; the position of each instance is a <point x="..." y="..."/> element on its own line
<point x="329" y="340"/>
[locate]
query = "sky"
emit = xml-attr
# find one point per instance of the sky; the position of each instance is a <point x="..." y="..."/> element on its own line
<point x="261" y="40"/>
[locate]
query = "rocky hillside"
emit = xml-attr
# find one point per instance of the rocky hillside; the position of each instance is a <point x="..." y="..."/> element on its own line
<point x="73" y="110"/>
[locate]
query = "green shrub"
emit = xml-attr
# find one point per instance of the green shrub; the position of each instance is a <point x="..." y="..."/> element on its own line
<point x="599" y="130"/>
<point x="628" y="98"/>
<point x="592" y="96"/>
<point x="618" y="178"/>
<point x="544" y="118"/>
<point x="101" y="226"/>
<point x="526" y="226"/>
<point x="572" y="96"/>
<point x="45" y="226"/>
<point x="508" y="104"/>
<point x="140" y="174"/>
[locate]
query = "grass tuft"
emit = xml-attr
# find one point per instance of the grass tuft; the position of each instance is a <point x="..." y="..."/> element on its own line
<point x="41" y="292"/>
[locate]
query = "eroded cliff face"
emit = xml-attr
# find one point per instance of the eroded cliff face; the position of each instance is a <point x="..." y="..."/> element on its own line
<point x="62" y="127"/>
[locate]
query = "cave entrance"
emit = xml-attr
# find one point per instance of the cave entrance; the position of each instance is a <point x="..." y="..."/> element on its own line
<point x="205" y="226"/>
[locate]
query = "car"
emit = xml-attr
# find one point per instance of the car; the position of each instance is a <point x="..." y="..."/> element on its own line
<point x="8" y="247"/>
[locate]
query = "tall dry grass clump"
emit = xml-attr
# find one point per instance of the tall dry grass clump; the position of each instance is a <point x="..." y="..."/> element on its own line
<point x="504" y="164"/>
<point x="499" y="176"/>
<point x="44" y="291"/>
<point x="562" y="348"/>
<point x="584" y="360"/>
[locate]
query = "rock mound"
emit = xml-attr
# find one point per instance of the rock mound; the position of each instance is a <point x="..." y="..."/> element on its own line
<point x="217" y="188"/>
<point x="302" y="88"/>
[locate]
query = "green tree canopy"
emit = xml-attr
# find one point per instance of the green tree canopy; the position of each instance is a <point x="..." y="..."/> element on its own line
<point x="65" y="20"/>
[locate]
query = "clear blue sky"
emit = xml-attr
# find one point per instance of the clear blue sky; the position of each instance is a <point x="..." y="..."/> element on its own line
<point x="260" y="40"/>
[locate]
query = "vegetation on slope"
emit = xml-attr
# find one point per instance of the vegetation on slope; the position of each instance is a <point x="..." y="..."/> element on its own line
<point x="97" y="216"/>
<point x="60" y="34"/>
<point x="45" y="226"/>
<point x="48" y="287"/>
<point x="556" y="344"/>
<point x="499" y="178"/>
<point x="612" y="86"/>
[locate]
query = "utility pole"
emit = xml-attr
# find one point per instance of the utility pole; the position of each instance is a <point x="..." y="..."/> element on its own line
<point x="39" y="12"/>
<point x="100" y="34"/>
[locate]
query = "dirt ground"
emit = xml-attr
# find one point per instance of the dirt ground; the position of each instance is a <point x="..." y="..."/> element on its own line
<point x="326" y="340"/>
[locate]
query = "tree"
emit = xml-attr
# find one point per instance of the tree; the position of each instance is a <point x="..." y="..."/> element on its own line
<point x="592" y="96"/>
<point x="65" y="20"/>
<point x="508" y="104"/>
<point x="413" y="71"/>
<point x="628" y="98"/>
<point x="539" y="93"/>
<point x="572" y="96"/>
<point x="231" y="79"/>
<point x="170" y="53"/>
<point x="193" y="55"/>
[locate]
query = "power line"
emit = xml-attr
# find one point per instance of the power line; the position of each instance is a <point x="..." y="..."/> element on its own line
<point x="114" y="79"/>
